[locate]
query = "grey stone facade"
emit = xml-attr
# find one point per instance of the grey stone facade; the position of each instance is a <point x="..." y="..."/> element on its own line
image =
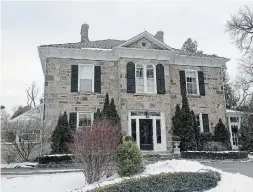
<point x="56" y="63"/>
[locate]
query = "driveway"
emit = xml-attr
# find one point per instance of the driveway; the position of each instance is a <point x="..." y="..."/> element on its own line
<point x="245" y="168"/>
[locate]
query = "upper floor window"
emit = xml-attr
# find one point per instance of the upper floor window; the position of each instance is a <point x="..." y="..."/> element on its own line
<point x="145" y="78"/>
<point x="86" y="78"/>
<point x="192" y="82"/>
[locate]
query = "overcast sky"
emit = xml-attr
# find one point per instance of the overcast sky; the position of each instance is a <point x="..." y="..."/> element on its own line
<point x="25" y="25"/>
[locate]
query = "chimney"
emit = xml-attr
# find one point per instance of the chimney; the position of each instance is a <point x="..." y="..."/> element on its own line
<point x="159" y="35"/>
<point x="84" y="33"/>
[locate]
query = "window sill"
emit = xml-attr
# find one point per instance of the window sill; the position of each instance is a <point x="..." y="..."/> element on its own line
<point x="194" y="96"/>
<point x="85" y="93"/>
<point x="145" y="94"/>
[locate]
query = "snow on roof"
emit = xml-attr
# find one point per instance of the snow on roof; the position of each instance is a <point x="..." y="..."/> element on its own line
<point x="32" y="113"/>
<point x="234" y="112"/>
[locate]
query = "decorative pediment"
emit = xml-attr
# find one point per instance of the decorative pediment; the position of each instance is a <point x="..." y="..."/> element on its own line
<point x="145" y="41"/>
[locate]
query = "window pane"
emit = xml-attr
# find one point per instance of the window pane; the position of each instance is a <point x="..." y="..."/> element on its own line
<point x="150" y="72"/>
<point x="198" y="121"/>
<point x="85" y="85"/>
<point x="139" y="85"/>
<point x="85" y="119"/>
<point x="139" y="72"/>
<point x="158" y="131"/>
<point x="31" y="137"/>
<point x="192" y="88"/>
<point x="234" y="119"/>
<point x="150" y="85"/>
<point x="133" y="126"/>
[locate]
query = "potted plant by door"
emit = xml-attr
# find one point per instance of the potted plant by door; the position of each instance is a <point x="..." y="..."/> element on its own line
<point x="176" y="142"/>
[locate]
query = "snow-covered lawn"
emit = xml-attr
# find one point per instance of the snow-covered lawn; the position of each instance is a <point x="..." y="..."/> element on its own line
<point x="74" y="182"/>
<point x="20" y="165"/>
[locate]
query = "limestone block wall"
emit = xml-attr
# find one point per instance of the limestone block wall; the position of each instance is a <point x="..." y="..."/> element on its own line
<point x="58" y="97"/>
<point x="135" y="101"/>
<point x="213" y="103"/>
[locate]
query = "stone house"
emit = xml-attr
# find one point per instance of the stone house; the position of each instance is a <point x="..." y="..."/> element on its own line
<point x="146" y="78"/>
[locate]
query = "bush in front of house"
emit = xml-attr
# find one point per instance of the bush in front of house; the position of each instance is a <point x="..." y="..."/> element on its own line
<point x="221" y="134"/>
<point x="129" y="159"/>
<point x="169" y="182"/>
<point x="62" y="135"/>
<point x="204" y="138"/>
<point x="214" y="146"/>
<point x="56" y="159"/>
<point x="215" y="155"/>
<point x="96" y="147"/>
<point x="246" y="134"/>
<point x="185" y="126"/>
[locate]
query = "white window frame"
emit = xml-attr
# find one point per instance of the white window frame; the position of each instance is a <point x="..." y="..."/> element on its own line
<point x="85" y="112"/>
<point x="79" y="75"/>
<point x="197" y="80"/>
<point x="145" y="77"/>
<point x="201" y="123"/>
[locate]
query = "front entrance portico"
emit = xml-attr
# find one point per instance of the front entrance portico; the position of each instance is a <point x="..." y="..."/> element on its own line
<point x="148" y="130"/>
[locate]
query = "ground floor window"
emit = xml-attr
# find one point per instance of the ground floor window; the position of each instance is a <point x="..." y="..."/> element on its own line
<point x="158" y="131"/>
<point x="234" y="129"/>
<point x="30" y="136"/>
<point x="85" y="119"/>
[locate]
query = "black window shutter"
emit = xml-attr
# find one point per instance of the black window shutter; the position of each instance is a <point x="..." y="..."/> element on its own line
<point x="130" y="70"/>
<point x="160" y="82"/>
<point x="201" y="83"/>
<point x="205" y="123"/>
<point x="97" y="79"/>
<point x="73" y="120"/>
<point x="74" y="78"/>
<point x="182" y="82"/>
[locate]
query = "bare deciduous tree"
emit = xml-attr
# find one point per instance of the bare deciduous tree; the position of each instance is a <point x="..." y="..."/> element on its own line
<point x="240" y="28"/>
<point x="25" y="135"/>
<point x="96" y="148"/>
<point x="244" y="81"/>
<point x="32" y="93"/>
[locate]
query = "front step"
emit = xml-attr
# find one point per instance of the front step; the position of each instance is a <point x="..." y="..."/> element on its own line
<point x="153" y="157"/>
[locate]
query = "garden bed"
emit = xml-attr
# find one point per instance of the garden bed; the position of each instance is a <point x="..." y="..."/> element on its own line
<point x="214" y="155"/>
<point x="171" y="182"/>
<point x="56" y="160"/>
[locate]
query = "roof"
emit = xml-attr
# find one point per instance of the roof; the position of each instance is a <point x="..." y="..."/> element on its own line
<point x="31" y="114"/>
<point x="112" y="43"/>
<point x="102" y="44"/>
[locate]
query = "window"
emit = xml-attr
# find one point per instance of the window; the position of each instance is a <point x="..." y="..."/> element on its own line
<point x="145" y="78"/>
<point x="7" y="136"/>
<point x="158" y="131"/>
<point x="86" y="78"/>
<point x="192" y="82"/>
<point x="150" y="79"/>
<point x="30" y="136"/>
<point x="84" y="120"/>
<point x="139" y="78"/>
<point x="133" y="126"/>
<point x="198" y="121"/>
<point x="234" y="119"/>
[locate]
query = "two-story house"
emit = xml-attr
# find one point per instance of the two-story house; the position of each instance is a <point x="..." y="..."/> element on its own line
<point x="146" y="78"/>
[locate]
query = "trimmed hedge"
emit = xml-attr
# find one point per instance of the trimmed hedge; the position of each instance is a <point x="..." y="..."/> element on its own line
<point x="166" y="182"/>
<point x="55" y="159"/>
<point x="214" y="155"/>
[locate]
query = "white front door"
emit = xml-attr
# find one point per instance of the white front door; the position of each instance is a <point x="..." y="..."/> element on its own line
<point x="148" y="130"/>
